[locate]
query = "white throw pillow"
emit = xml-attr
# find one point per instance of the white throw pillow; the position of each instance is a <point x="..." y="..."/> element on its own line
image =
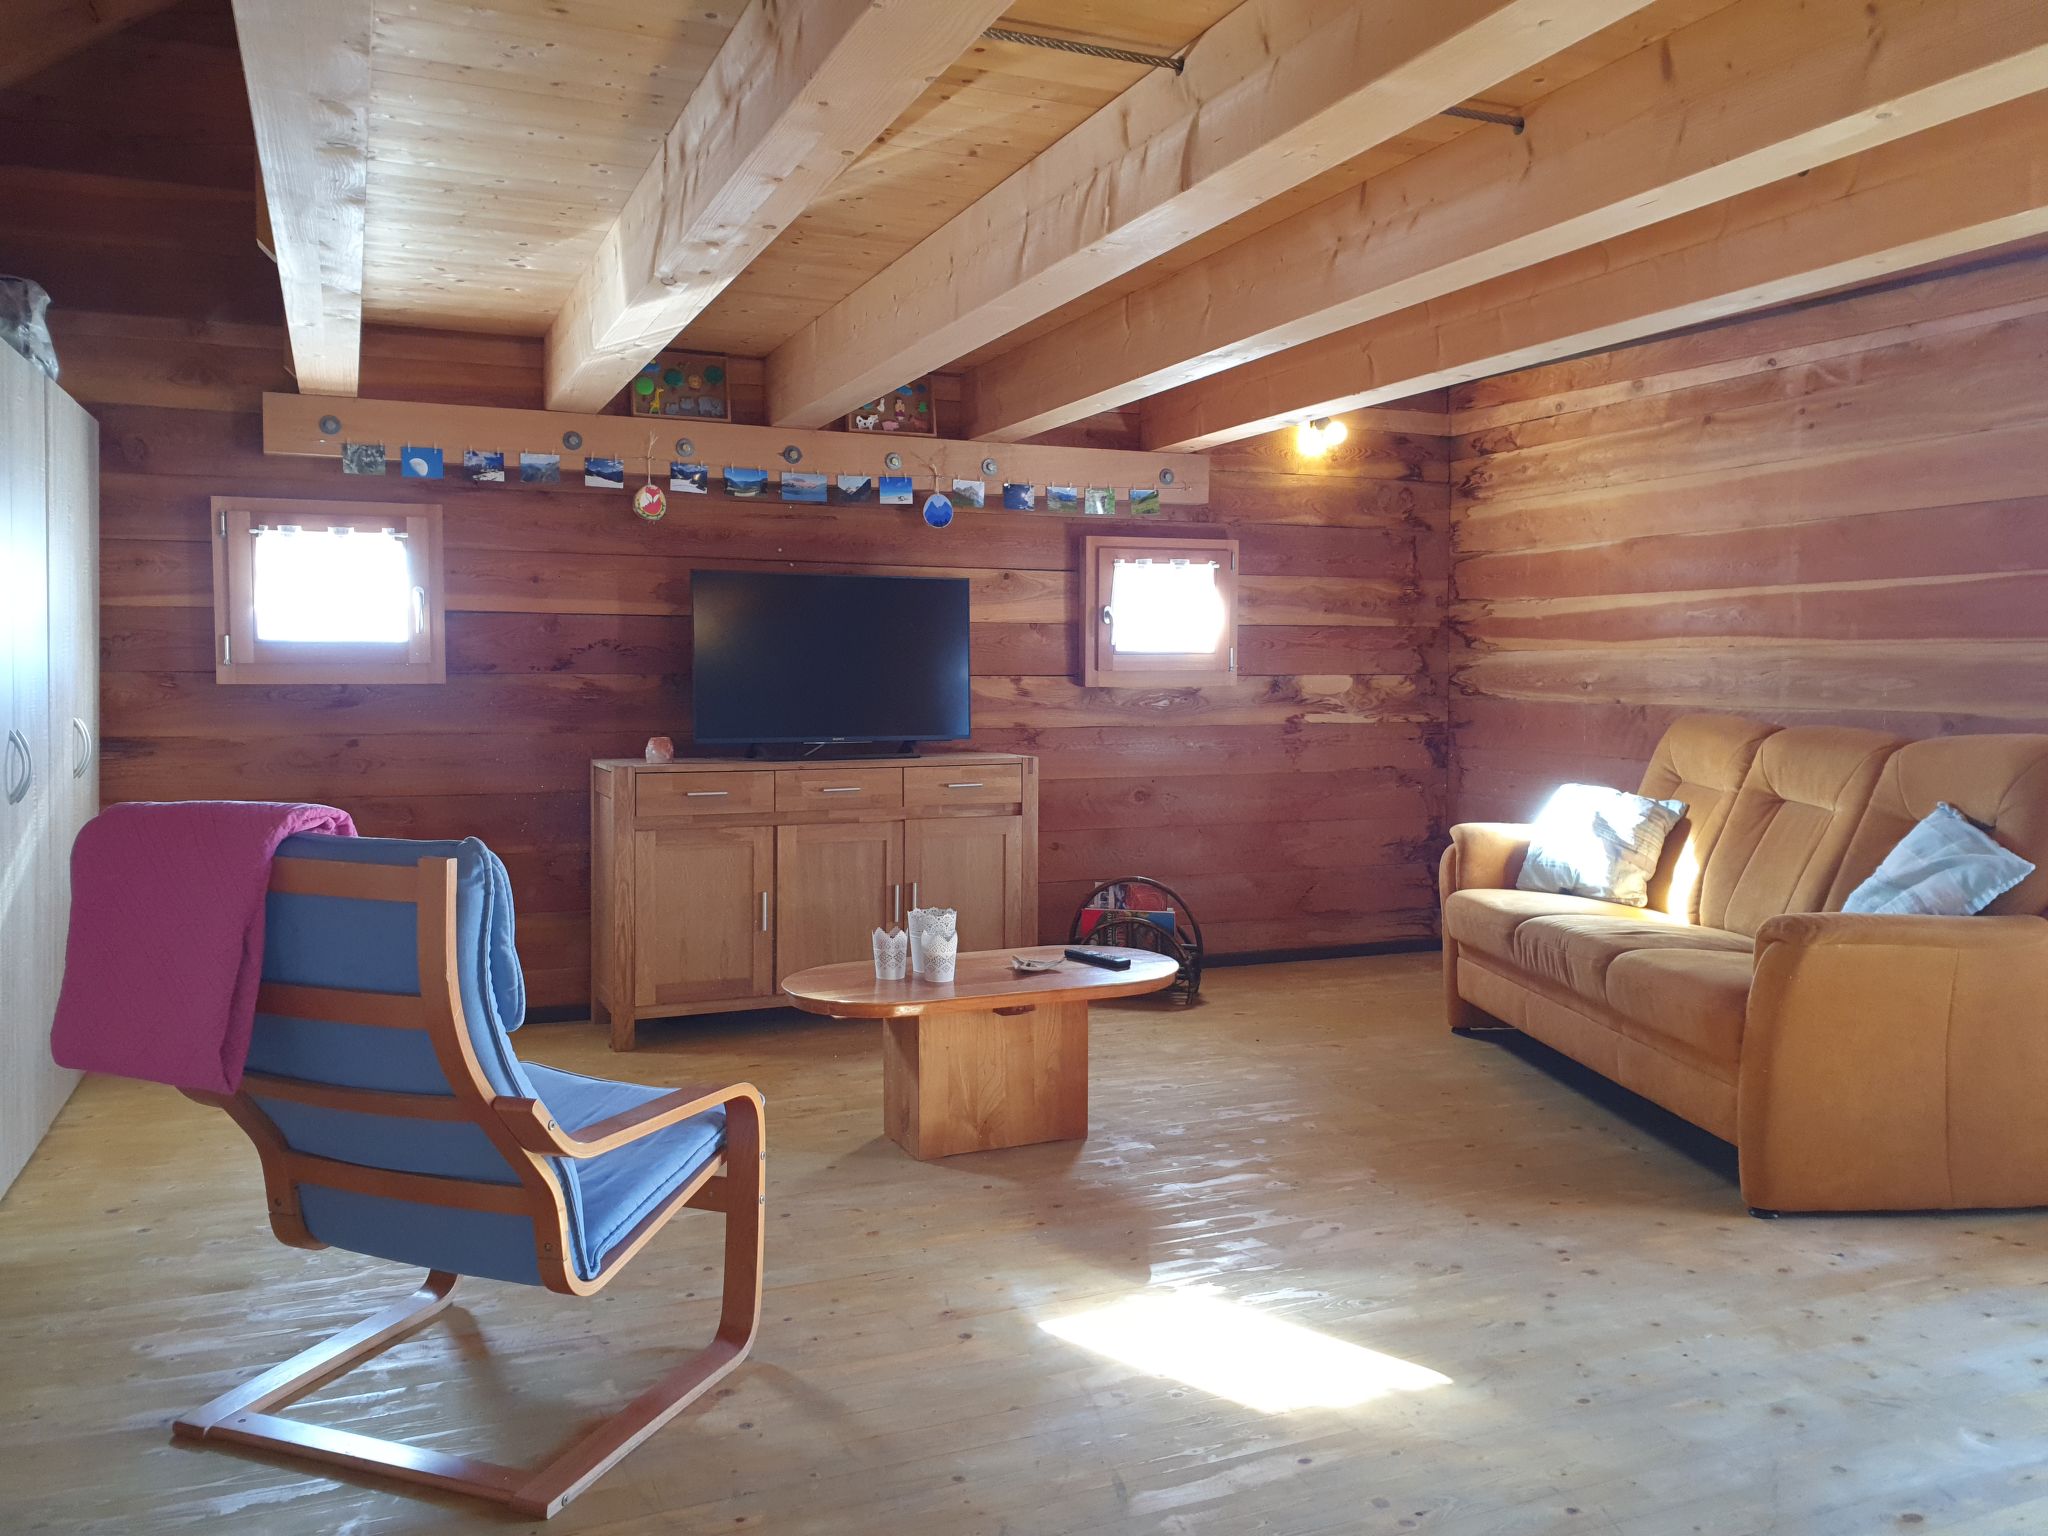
<point x="1594" y="841"/>
<point x="1947" y="866"/>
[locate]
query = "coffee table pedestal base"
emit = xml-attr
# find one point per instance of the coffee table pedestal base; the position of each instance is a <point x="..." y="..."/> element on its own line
<point x="974" y="1081"/>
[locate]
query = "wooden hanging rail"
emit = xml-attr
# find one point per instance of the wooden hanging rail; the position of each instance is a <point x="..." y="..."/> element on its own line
<point x="318" y="425"/>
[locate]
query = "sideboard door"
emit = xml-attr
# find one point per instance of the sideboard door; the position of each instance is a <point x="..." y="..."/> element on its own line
<point x="701" y="900"/>
<point x="836" y="882"/>
<point x="974" y="865"/>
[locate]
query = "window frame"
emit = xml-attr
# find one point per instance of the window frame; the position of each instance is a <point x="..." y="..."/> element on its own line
<point x="239" y="657"/>
<point x="1102" y="667"/>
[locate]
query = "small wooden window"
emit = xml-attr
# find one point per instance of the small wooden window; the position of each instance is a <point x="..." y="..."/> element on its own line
<point x="327" y="592"/>
<point x="1159" y="613"/>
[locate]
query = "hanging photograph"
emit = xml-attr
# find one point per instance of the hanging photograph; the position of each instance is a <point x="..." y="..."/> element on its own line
<point x="540" y="469"/>
<point x="745" y="482"/>
<point x="1145" y="500"/>
<point x="970" y="493"/>
<point x="802" y="485"/>
<point x="1019" y="498"/>
<point x="605" y="474"/>
<point x="1062" y="498"/>
<point x="483" y="468"/>
<point x="420" y="463"/>
<point x="895" y="490"/>
<point x="689" y="479"/>
<point x="1099" y="501"/>
<point x="854" y="490"/>
<point x="362" y="458"/>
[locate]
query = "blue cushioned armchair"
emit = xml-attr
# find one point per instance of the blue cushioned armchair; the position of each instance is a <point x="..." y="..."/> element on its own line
<point x="393" y="1119"/>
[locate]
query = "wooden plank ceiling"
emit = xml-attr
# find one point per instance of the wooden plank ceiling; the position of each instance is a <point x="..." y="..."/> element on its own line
<point x="1213" y="252"/>
<point x="505" y="136"/>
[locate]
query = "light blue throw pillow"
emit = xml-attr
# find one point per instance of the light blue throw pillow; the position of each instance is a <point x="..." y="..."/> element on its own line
<point x="1947" y="866"/>
<point x="1590" y="840"/>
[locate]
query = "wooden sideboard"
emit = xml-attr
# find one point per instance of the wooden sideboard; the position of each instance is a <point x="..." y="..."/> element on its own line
<point x="711" y="879"/>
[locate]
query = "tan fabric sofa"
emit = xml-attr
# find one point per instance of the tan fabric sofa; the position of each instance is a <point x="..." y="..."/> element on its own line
<point x="1858" y="1063"/>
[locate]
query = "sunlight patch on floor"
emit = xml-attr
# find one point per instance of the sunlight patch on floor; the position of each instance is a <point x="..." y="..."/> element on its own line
<point x="1224" y="1347"/>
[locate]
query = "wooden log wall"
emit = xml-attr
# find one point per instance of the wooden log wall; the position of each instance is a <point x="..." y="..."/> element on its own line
<point x="1295" y="809"/>
<point x="1837" y="513"/>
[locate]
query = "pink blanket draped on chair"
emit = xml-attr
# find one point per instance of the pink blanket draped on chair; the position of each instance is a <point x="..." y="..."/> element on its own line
<point x="165" y="951"/>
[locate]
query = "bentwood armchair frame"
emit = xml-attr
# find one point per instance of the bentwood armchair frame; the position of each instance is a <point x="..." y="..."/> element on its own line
<point x="528" y="1136"/>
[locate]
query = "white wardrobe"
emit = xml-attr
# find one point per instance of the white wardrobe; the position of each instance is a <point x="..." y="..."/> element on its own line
<point x="49" y="762"/>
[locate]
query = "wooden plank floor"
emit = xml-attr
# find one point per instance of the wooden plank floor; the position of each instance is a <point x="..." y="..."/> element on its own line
<point x="1627" y="1350"/>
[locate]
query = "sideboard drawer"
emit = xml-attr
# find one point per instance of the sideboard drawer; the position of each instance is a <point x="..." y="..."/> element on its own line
<point x="838" y="789"/>
<point x="978" y="784"/>
<point x="702" y="794"/>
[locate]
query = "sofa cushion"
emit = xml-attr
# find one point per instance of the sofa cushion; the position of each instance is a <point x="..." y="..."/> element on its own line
<point x="1575" y="951"/>
<point x="1702" y="761"/>
<point x="1486" y="920"/>
<point x="1790" y="826"/>
<point x="1999" y="782"/>
<point x="1691" y="1002"/>
<point x="1947" y="866"/>
<point x="1590" y="840"/>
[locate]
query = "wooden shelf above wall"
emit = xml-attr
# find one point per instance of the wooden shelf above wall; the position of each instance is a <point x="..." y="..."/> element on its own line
<point x="291" y="425"/>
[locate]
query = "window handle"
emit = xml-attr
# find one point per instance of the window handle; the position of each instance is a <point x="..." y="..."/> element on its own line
<point x="419" y="610"/>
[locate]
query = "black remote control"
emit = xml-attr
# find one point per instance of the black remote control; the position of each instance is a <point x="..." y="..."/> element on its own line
<point x="1096" y="957"/>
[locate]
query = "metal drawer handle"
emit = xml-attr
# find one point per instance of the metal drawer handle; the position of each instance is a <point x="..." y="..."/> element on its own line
<point x="841" y="789"/>
<point x="705" y="794"/>
<point x="970" y="784"/>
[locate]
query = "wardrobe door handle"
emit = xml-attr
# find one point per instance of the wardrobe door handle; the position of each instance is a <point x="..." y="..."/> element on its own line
<point x="764" y="911"/>
<point x="896" y="904"/>
<point x="17" y="745"/>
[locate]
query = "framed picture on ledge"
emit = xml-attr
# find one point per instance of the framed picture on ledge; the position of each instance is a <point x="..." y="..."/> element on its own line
<point x="909" y="411"/>
<point x="678" y="385"/>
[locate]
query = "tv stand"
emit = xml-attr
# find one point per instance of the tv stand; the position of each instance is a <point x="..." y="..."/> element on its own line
<point x="713" y="878"/>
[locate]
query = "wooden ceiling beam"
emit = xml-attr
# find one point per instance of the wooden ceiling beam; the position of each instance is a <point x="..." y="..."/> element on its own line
<point x="799" y="88"/>
<point x="307" y="63"/>
<point x="1965" y="186"/>
<point x="34" y="34"/>
<point x="1758" y="91"/>
<point x="1273" y="94"/>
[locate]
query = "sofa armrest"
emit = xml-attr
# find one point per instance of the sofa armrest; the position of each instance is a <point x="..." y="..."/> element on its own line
<point x="1483" y="855"/>
<point x="1895" y="1063"/>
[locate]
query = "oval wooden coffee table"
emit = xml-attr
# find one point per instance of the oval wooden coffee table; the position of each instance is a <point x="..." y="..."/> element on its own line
<point x="990" y="1059"/>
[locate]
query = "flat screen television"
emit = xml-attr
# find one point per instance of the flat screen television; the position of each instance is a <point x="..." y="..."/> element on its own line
<point x="781" y="658"/>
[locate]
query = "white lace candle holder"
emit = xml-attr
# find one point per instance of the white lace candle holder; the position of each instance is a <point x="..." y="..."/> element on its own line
<point x="941" y="950"/>
<point x="892" y="954"/>
<point x="926" y="924"/>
